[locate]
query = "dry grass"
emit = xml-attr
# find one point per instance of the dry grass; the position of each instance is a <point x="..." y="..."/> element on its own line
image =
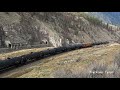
<point x="94" y="62"/>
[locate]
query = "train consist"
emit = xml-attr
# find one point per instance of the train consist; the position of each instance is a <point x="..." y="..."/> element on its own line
<point x="33" y="56"/>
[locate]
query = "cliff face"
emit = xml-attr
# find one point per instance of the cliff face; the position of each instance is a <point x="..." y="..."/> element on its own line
<point x="52" y="28"/>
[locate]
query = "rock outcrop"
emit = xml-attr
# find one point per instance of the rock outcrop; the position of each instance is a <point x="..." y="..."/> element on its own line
<point x="52" y="28"/>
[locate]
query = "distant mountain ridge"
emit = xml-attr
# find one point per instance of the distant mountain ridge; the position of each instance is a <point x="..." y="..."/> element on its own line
<point x="108" y="17"/>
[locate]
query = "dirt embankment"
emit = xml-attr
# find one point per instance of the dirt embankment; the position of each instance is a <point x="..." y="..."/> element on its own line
<point x="93" y="62"/>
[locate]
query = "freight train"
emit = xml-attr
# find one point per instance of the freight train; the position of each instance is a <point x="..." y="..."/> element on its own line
<point x="33" y="56"/>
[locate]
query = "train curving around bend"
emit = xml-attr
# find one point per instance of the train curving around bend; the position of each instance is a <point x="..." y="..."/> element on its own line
<point x="10" y="63"/>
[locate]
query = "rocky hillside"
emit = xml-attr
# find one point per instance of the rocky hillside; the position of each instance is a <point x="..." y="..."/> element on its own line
<point x="53" y="28"/>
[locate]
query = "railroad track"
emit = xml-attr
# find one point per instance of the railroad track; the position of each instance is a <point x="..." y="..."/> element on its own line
<point x="12" y="63"/>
